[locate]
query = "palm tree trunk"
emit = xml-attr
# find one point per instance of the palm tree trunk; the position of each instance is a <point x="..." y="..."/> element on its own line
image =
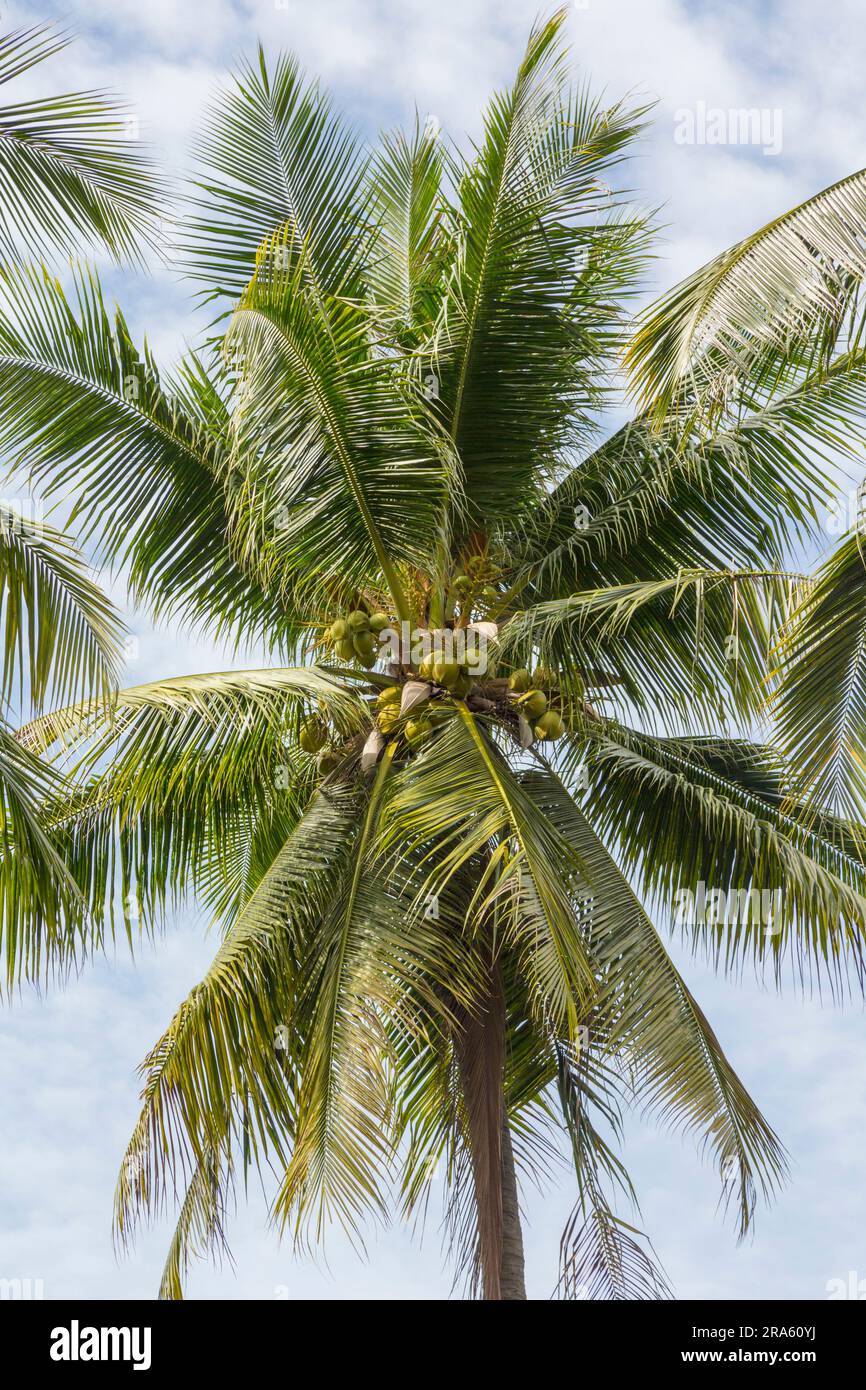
<point x="512" y="1282"/>
<point x="480" y="1046"/>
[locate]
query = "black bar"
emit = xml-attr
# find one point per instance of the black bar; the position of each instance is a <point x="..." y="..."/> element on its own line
<point x="245" y="1337"/>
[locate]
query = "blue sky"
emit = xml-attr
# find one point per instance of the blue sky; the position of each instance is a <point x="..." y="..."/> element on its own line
<point x="68" y="1090"/>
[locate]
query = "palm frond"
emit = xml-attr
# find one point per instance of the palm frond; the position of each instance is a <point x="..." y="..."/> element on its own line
<point x="776" y="301"/>
<point x="222" y="1073"/>
<point x="185" y="785"/>
<point x="461" y="805"/>
<point x="378" y="968"/>
<point x="43" y="923"/>
<point x="523" y="330"/>
<point x="61" y="634"/>
<point x="821" y="703"/>
<point x="784" y="892"/>
<point x="412" y="237"/>
<point x="274" y="154"/>
<point x="678" y="647"/>
<point x="72" y="170"/>
<point x="653" y="1028"/>
<point x="342" y="475"/>
<point x="200" y="1230"/>
<point x="601" y="1256"/>
<point x="83" y="411"/>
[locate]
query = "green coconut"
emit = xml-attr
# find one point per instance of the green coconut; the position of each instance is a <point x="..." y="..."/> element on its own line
<point x="445" y="672"/>
<point x="346" y="649"/>
<point x="379" y="621"/>
<point x="534" y="704"/>
<point x="338" y="630"/>
<point x="519" y="681"/>
<point x="328" y="761"/>
<point x="417" y="730"/>
<point x="312" y="736"/>
<point x="550" y="725"/>
<point x="391" y="695"/>
<point x="358" y="621"/>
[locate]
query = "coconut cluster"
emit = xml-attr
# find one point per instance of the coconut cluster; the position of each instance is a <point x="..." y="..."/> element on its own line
<point x="315" y="739"/>
<point x="420" y="700"/>
<point x="426" y="715"/>
<point x="474" y="588"/>
<point x="355" y="637"/>
<point x="415" y="708"/>
<point x="533" y="704"/>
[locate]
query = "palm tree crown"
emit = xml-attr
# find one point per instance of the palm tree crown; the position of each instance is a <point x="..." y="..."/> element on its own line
<point x="518" y="665"/>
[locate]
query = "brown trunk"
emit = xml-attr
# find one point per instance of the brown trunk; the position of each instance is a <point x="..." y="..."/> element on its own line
<point x="480" y="1046"/>
<point x="512" y="1283"/>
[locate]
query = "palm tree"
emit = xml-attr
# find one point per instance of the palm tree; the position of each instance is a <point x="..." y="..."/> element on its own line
<point x="436" y="871"/>
<point x="68" y="177"/>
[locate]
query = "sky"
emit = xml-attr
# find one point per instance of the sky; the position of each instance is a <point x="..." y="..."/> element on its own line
<point x="68" y="1058"/>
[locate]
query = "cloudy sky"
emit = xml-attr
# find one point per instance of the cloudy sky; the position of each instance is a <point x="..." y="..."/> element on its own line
<point x="68" y="1090"/>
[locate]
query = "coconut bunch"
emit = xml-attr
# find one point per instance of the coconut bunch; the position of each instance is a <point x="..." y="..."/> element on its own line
<point x="316" y="738"/>
<point x="476" y="588"/>
<point x="356" y="636"/>
<point x="449" y="676"/>
<point x="416" y="705"/>
<point x="533" y="704"/>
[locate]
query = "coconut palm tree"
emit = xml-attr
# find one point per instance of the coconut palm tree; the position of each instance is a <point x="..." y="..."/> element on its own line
<point x="521" y="662"/>
<point x="69" y="176"/>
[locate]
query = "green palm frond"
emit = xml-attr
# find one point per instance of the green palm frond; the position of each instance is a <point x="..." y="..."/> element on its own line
<point x="200" y="1230"/>
<point x="83" y="410"/>
<point x="333" y="431"/>
<point x="744" y="493"/>
<point x="43" y="927"/>
<point x="821" y="703"/>
<point x="344" y="1132"/>
<point x="679" y="821"/>
<point x="464" y="801"/>
<point x="72" y="171"/>
<point x="603" y="1259"/>
<point x="61" y="633"/>
<point x="222" y="1074"/>
<point x="273" y="154"/>
<point x="522" y="333"/>
<point x="686" y="644"/>
<point x="775" y="303"/>
<point x="601" y="1256"/>
<point x="380" y="970"/>
<point x="185" y="785"/>
<point x="413" y="237"/>
<point x="652" y="1027"/>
